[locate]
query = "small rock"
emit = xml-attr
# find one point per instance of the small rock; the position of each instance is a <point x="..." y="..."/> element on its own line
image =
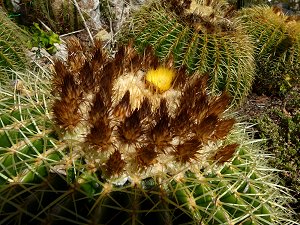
<point x="103" y="36"/>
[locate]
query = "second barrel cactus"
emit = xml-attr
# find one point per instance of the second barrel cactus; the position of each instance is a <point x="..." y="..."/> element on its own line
<point x="201" y="35"/>
<point x="277" y="48"/>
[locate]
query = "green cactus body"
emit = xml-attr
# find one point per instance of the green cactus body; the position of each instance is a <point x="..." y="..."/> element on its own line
<point x="13" y="42"/>
<point x="277" y="41"/>
<point x="61" y="16"/>
<point x="127" y="140"/>
<point x="203" y="37"/>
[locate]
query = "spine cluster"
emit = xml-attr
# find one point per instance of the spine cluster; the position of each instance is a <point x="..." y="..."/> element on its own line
<point x="13" y="41"/>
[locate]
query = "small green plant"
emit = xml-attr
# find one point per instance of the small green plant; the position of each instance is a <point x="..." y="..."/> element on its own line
<point x="42" y="39"/>
<point x="200" y="35"/>
<point x="128" y="140"/>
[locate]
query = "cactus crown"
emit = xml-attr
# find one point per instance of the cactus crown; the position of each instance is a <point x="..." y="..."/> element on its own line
<point x="122" y="122"/>
<point x="105" y="132"/>
<point x="205" y="16"/>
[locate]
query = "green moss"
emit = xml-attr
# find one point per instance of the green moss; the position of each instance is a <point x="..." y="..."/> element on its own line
<point x="281" y="132"/>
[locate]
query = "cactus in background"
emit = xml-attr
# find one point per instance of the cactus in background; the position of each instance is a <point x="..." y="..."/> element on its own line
<point x="61" y="16"/>
<point x="277" y="53"/>
<point x="201" y="35"/>
<point x="13" y="42"/>
<point x="128" y="140"/>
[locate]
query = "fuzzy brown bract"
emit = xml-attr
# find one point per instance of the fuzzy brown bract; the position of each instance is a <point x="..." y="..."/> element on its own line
<point x="123" y="125"/>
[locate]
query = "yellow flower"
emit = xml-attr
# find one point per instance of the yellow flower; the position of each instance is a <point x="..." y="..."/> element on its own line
<point x="161" y="78"/>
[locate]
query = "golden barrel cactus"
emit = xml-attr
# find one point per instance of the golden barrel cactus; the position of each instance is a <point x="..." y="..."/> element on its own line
<point x="201" y="35"/>
<point x="127" y="140"/>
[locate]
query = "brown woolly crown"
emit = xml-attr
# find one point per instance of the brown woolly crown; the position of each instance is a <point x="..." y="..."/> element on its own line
<point x="123" y="126"/>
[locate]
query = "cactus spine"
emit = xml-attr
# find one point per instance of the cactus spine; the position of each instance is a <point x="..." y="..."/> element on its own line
<point x="13" y="42"/>
<point x="201" y="36"/>
<point x="116" y="148"/>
